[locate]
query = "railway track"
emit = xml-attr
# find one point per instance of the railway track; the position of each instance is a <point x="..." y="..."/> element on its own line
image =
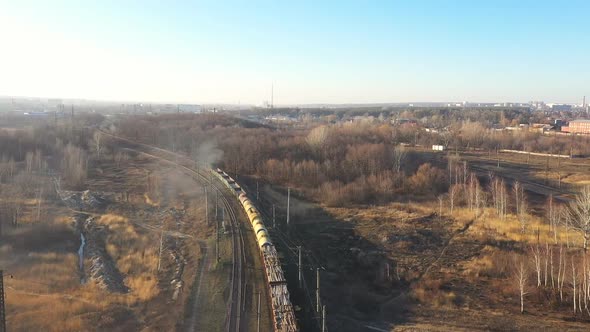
<point x="236" y="302"/>
<point x="485" y="167"/>
<point x="289" y="244"/>
<point x="236" y="305"/>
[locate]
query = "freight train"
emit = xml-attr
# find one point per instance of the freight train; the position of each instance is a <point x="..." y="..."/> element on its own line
<point x="282" y="310"/>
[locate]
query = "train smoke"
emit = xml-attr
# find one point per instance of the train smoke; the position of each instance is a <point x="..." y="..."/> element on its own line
<point x="208" y="153"/>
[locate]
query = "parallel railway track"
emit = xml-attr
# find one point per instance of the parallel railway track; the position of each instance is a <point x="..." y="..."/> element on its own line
<point x="236" y="302"/>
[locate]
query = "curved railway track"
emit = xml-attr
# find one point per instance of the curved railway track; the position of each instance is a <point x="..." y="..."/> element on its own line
<point x="236" y="301"/>
<point x="235" y="305"/>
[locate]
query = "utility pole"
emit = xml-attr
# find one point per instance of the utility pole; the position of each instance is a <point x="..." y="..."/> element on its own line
<point x="216" y="236"/>
<point x="161" y="246"/>
<point x="216" y="204"/>
<point x="324" y="318"/>
<point x="257" y="192"/>
<point x="258" y="314"/>
<point x="206" y="207"/>
<point x="317" y="291"/>
<point x="274" y="220"/>
<point x="288" y="203"/>
<point x="300" y="272"/>
<point x="2" y="308"/>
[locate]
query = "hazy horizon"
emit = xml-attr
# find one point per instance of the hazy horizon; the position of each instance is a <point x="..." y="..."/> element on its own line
<point x="313" y="53"/>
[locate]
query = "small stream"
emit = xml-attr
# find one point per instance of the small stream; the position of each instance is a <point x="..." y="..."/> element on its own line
<point x="81" y="258"/>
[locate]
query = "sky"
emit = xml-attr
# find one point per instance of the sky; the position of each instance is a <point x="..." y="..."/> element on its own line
<point x="309" y="51"/>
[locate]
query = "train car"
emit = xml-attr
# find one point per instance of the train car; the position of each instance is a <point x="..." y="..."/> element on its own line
<point x="282" y="309"/>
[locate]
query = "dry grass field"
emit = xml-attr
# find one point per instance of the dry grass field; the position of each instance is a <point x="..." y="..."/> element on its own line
<point x="402" y="267"/>
<point x="47" y="291"/>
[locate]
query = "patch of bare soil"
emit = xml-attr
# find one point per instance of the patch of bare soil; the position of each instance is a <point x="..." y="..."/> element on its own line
<point x="101" y="269"/>
<point x="83" y="200"/>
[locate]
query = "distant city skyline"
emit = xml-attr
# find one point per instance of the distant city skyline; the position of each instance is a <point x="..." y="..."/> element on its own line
<point x="312" y="52"/>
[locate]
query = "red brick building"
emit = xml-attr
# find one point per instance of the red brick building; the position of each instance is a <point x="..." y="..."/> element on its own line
<point x="577" y="127"/>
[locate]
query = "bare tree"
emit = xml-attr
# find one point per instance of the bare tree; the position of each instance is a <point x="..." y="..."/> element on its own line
<point x="579" y="214"/>
<point x="553" y="215"/>
<point x="480" y="198"/>
<point x="561" y="272"/>
<point x="472" y="186"/>
<point x="97" y="141"/>
<point x="547" y="253"/>
<point x="520" y="275"/>
<point x="574" y="281"/>
<point x="317" y="137"/>
<point x="399" y="155"/>
<point x="536" y="252"/>
<point x="453" y="193"/>
<point x="452" y="161"/>
<point x="523" y="216"/>
<point x="120" y="157"/>
<point x="551" y="267"/>
<point x="499" y="196"/>
<point x="519" y="198"/>
<point x="584" y="291"/>
<point x="29" y="161"/>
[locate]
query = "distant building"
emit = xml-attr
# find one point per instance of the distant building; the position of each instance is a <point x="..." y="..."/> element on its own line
<point x="405" y="122"/>
<point x="281" y="118"/>
<point x="189" y="108"/>
<point x="541" y="127"/>
<point x="538" y="104"/>
<point x="577" y="127"/>
<point x="561" y="107"/>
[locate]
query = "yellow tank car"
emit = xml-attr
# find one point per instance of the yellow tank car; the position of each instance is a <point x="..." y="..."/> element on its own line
<point x="259" y="227"/>
<point x="263" y="240"/>
<point x="252" y="213"/>
<point x="256" y="220"/>
<point x="247" y="205"/>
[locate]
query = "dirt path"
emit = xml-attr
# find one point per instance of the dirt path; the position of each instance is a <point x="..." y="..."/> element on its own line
<point x="199" y="302"/>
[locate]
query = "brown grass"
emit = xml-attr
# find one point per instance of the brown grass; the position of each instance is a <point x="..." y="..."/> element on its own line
<point x="431" y="291"/>
<point x="135" y="254"/>
<point x="537" y="229"/>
